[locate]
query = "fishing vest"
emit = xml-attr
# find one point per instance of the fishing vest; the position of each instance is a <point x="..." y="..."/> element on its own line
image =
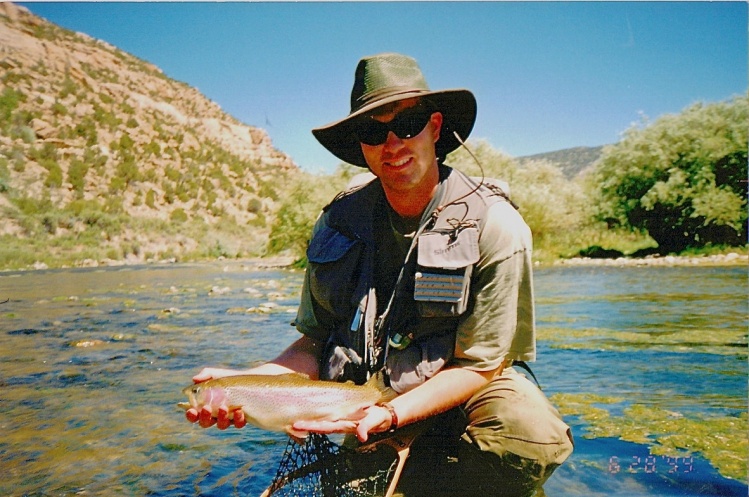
<point x="411" y="333"/>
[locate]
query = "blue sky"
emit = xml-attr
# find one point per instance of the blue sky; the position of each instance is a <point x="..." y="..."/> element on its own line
<point x="547" y="75"/>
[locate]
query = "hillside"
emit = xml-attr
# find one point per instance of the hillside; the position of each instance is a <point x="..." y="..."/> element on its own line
<point x="572" y="161"/>
<point x="101" y="153"/>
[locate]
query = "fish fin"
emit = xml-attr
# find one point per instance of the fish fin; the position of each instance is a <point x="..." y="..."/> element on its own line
<point x="294" y="375"/>
<point x="298" y="434"/>
<point x="377" y="381"/>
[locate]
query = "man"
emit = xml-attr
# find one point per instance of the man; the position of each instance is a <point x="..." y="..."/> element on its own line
<point x="426" y="274"/>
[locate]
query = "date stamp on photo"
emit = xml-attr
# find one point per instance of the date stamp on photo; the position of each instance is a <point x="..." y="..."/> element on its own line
<point x="651" y="465"/>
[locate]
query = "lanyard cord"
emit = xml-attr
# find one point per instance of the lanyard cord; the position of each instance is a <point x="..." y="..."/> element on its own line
<point x="382" y="318"/>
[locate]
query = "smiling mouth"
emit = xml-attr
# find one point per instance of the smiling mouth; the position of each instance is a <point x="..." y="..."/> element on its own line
<point x="399" y="163"/>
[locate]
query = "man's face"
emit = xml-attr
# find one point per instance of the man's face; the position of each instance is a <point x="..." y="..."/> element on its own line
<point x="407" y="164"/>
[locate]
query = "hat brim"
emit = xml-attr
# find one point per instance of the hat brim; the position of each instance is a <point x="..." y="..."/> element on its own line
<point x="458" y="108"/>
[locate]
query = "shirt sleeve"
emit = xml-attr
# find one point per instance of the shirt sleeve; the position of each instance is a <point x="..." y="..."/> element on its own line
<point x="499" y="324"/>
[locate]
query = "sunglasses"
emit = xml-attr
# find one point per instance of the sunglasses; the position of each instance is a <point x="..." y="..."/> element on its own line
<point x="406" y="124"/>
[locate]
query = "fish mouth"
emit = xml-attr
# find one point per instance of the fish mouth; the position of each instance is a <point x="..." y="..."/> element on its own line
<point x="191" y="400"/>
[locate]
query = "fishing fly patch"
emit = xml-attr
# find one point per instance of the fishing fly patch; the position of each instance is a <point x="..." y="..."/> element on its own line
<point x="444" y="267"/>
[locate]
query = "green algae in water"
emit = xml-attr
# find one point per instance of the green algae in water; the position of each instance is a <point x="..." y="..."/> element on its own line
<point x="710" y="341"/>
<point x="721" y="440"/>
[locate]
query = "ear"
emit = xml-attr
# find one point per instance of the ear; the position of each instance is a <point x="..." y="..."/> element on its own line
<point x="436" y="121"/>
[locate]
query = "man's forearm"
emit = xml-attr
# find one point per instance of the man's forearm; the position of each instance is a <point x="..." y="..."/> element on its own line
<point x="449" y="388"/>
<point x="302" y="356"/>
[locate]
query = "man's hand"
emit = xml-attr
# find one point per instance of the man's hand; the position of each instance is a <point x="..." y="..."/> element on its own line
<point x="376" y="419"/>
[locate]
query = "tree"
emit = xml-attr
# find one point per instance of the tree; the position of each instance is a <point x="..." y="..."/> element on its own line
<point x="302" y="202"/>
<point x="682" y="178"/>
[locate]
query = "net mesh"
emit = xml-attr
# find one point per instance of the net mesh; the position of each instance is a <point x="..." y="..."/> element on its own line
<point x="320" y="467"/>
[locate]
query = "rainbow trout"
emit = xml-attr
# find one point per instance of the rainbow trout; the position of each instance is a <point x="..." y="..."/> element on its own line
<point x="276" y="402"/>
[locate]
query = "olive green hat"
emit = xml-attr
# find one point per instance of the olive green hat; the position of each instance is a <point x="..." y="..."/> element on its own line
<point x="385" y="78"/>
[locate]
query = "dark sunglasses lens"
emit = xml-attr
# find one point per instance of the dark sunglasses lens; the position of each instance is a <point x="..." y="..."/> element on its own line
<point x="410" y="124"/>
<point x="405" y="125"/>
<point x="372" y="132"/>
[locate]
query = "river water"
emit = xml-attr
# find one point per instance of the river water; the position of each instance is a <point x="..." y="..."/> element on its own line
<point x="648" y="365"/>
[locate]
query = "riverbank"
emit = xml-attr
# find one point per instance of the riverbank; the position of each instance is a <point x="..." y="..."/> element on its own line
<point x="729" y="259"/>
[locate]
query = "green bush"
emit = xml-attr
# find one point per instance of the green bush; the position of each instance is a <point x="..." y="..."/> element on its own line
<point x="77" y="175"/>
<point x="178" y="215"/>
<point x="54" y="177"/>
<point x="86" y="129"/>
<point x="151" y="199"/>
<point x="681" y="178"/>
<point x="9" y="101"/>
<point x="69" y="87"/>
<point x="304" y="198"/>
<point x="127" y="170"/>
<point x="32" y="206"/>
<point x="59" y="109"/>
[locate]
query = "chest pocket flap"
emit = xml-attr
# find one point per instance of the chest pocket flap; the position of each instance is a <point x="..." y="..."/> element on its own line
<point x="446" y="250"/>
<point x="328" y="245"/>
<point x="444" y="266"/>
<point x="334" y="261"/>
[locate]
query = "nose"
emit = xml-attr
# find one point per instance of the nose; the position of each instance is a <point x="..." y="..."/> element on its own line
<point x="393" y="140"/>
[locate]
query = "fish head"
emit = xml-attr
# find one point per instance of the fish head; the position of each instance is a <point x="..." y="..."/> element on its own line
<point x="193" y="393"/>
<point x="204" y="394"/>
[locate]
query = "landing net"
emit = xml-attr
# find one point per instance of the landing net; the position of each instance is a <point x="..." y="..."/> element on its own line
<point x="320" y="467"/>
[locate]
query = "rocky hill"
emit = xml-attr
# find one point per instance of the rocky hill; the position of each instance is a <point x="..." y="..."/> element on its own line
<point x="572" y="161"/>
<point x="100" y="148"/>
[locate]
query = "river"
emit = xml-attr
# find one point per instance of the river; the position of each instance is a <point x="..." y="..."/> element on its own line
<point x="648" y="365"/>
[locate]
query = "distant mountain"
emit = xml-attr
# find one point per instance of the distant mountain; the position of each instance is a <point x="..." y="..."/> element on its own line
<point x="87" y="130"/>
<point x="572" y="161"/>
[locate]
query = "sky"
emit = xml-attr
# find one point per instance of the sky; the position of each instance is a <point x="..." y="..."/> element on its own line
<point x="546" y="75"/>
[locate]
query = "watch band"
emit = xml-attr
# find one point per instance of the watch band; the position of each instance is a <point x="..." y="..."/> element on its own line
<point x="393" y="414"/>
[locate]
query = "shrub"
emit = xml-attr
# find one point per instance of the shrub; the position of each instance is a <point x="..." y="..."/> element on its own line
<point x="77" y="175"/>
<point x="9" y="101"/>
<point x="304" y="198"/>
<point x="151" y="199"/>
<point x="682" y="178"/>
<point x="54" y="178"/>
<point x="178" y="215"/>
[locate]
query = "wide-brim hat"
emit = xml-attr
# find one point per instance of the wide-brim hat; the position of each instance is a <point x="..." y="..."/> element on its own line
<point x="385" y="78"/>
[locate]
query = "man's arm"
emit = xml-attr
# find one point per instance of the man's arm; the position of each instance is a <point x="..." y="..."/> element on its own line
<point x="449" y="388"/>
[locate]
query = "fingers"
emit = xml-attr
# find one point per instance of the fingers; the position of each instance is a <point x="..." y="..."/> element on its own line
<point x="378" y="419"/>
<point x="191" y="415"/>
<point x="239" y="419"/>
<point x="223" y="419"/>
<point x="204" y="375"/>
<point x="205" y="418"/>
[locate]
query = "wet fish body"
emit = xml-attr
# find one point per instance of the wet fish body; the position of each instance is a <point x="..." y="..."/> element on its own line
<point x="276" y="402"/>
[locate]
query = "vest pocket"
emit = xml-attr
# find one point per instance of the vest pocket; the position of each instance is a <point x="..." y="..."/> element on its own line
<point x="334" y="261"/>
<point x="443" y="274"/>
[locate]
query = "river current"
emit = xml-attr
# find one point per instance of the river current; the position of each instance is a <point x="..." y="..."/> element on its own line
<point x="648" y="365"/>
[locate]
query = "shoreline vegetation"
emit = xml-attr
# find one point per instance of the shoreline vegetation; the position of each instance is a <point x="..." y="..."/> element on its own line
<point x="736" y="257"/>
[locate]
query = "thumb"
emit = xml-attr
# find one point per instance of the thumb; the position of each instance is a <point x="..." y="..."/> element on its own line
<point x="362" y="431"/>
